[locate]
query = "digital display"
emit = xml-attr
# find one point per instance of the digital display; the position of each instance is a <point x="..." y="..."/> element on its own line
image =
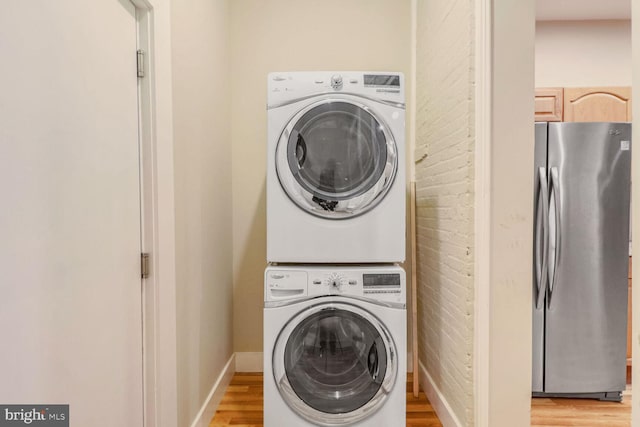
<point x="381" y="80"/>
<point x="381" y="280"/>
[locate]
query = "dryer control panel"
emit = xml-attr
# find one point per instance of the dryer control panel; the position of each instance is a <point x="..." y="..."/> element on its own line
<point x="283" y="87"/>
<point x="384" y="284"/>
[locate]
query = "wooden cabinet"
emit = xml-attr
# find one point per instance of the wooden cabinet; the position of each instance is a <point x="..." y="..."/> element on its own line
<point x="597" y="104"/>
<point x="549" y="104"/>
<point x="629" y="317"/>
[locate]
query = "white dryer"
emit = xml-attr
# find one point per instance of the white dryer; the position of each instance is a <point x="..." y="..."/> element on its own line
<point x="336" y="167"/>
<point x="334" y="346"/>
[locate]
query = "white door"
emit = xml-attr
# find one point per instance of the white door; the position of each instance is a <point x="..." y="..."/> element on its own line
<point x="70" y="287"/>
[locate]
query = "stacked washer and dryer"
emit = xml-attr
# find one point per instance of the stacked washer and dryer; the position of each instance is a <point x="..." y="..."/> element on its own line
<point x="334" y="296"/>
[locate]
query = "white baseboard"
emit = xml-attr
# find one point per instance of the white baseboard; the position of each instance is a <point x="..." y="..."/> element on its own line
<point x="438" y="401"/>
<point x="249" y="362"/>
<point x="208" y="410"/>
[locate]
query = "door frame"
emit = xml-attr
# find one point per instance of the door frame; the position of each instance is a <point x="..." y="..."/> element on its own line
<point x="482" y="214"/>
<point x="157" y="214"/>
<point x="504" y="37"/>
<point x="635" y="210"/>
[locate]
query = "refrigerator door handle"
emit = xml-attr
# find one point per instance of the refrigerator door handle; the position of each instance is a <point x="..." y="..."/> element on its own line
<point x="555" y="243"/>
<point x="541" y="254"/>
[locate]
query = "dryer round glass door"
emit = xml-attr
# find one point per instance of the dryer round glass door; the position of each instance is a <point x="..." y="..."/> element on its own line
<point x="334" y="364"/>
<point x="336" y="159"/>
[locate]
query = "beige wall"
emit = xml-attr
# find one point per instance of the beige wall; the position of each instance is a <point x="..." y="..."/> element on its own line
<point x="445" y="201"/>
<point x="583" y="53"/>
<point x="202" y="159"/>
<point x="290" y="35"/>
<point x="510" y="156"/>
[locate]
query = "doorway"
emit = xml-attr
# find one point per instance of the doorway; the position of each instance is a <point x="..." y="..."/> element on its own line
<point x="576" y="43"/>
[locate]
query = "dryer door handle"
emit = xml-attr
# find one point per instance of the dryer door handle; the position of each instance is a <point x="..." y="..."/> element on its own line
<point x="301" y="151"/>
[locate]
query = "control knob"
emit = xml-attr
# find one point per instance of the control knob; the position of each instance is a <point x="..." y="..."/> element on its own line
<point x="336" y="81"/>
<point x="335" y="281"/>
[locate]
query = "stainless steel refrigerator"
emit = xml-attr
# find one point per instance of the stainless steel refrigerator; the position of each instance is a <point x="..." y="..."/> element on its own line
<point x="580" y="263"/>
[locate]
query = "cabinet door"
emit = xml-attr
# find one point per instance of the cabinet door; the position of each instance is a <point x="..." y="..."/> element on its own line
<point x="549" y="104"/>
<point x="629" y="347"/>
<point x="597" y="104"/>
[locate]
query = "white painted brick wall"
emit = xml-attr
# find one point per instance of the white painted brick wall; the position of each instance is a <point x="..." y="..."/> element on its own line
<point x="445" y="199"/>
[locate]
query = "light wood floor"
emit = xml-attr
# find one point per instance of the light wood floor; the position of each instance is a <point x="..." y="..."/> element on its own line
<point x="581" y="412"/>
<point x="241" y="406"/>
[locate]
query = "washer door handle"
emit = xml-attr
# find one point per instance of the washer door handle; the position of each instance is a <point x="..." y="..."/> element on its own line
<point x="372" y="362"/>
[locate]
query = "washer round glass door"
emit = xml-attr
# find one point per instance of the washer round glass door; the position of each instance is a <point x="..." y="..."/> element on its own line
<point x="334" y="364"/>
<point x="336" y="159"/>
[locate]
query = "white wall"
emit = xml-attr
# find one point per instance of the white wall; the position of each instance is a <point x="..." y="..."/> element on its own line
<point x="444" y="172"/>
<point x="583" y="53"/>
<point x="291" y="35"/>
<point x="202" y="159"/>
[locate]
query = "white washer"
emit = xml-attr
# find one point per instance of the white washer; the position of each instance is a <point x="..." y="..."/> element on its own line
<point x="336" y="167"/>
<point x="334" y="346"/>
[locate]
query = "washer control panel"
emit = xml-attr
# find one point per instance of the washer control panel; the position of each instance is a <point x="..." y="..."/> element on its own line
<point x="378" y="283"/>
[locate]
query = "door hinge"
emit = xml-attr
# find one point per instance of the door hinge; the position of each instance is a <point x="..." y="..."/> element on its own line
<point x="144" y="265"/>
<point x="140" y="62"/>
